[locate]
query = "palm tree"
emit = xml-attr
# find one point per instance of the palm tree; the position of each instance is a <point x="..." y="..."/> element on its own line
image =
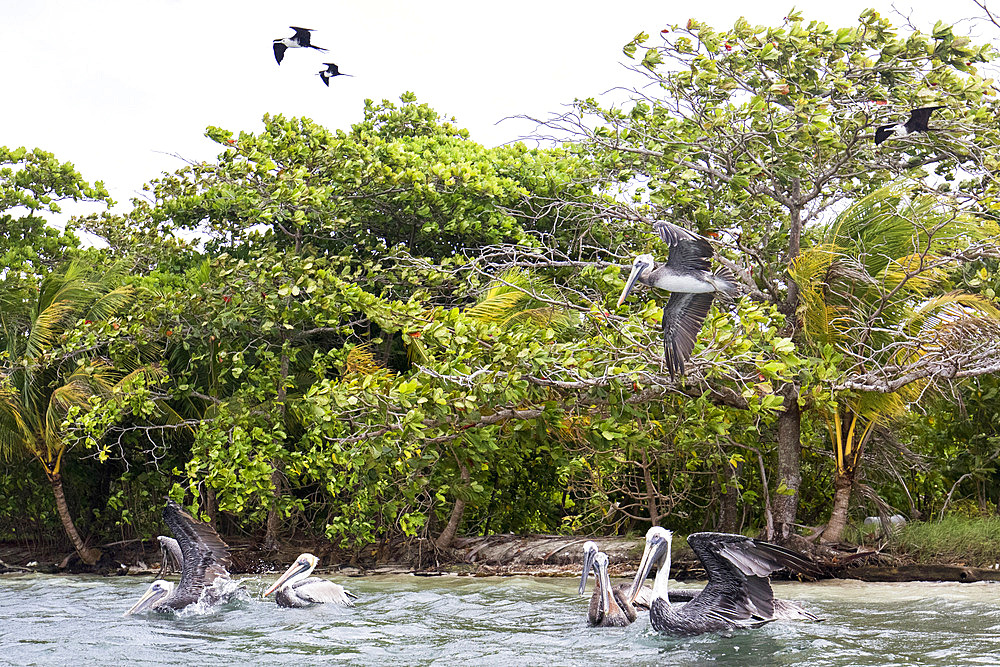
<point x="40" y="383"/>
<point x="873" y="295"/>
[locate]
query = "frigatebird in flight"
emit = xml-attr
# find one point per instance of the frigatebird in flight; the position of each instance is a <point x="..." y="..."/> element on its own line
<point x="917" y="122"/>
<point x="331" y="71"/>
<point x="300" y="40"/>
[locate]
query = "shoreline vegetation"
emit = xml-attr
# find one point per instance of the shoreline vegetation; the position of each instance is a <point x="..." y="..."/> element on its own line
<point x="377" y="342"/>
<point x="964" y="550"/>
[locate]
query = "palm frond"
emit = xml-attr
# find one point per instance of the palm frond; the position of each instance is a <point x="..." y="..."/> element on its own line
<point x="110" y="304"/>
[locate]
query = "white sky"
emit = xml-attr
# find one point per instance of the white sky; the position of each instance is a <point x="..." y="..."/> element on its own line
<point x="117" y="87"/>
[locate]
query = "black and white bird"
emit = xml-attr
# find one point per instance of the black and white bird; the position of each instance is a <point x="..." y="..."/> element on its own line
<point x="300" y="40"/>
<point x="295" y="588"/>
<point x="738" y="593"/>
<point x="331" y="71"/>
<point x="688" y="277"/>
<point x="917" y="122"/>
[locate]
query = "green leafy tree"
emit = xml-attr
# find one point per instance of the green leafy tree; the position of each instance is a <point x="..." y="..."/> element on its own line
<point x="33" y="182"/>
<point x="750" y="135"/>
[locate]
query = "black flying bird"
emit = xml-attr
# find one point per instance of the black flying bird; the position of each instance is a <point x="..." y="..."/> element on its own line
<point x="331" y="71"/>
<point x="300" y="40"/>
<point x="916" y="123"/>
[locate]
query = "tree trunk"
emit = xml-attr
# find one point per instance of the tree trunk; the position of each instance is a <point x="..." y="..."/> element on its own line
<point x="785" y="505"/>
<point x="841" y="502"/>
<point x="654" y="509"/>
<point x="447" y="535"/>
<point x="273" y="516"/>
<point x="728" y="503"/>
<point x="209" y="505"/>
<point x="87" y="555"/>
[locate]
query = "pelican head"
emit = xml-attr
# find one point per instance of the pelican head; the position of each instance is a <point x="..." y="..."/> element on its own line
<point x="601" y="563"/>
<point x="589" y="552"/>
<point x="300" y="569"/>
<point x="657" y="553"/>
<point x="642" y="265"/>
<point x="158" y="590"/>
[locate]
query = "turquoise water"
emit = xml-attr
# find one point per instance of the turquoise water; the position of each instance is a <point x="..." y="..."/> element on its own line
<point x="405" y="620"/>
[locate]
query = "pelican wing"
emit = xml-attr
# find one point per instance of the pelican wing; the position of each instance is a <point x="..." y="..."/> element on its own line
<point x="683" y="316"/>
<point x="738" y="568"/>
<point x="206" y="556"/>
<point x="643" y="599"/>
<point x="793" y="611"/>
<point x="673" y="234"/>
<point x="171" y="550"/>
<point x="319" y="590"/>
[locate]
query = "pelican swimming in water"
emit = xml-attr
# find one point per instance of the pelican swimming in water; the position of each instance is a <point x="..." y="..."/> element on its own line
<point x="688" y="277"/>
<point x="622" y="592"/>
<point x="738" y="593"/>
<point x="609" y="607"/>
<point x="295" y="588"/>
<point x="205" y="558"/>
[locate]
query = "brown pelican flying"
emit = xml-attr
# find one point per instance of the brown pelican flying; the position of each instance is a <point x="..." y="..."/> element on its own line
<point x="295" y="588"/>
<point x="738" y="593"/>
<point x="203" y="568"/>
<point x="688" y="277"/>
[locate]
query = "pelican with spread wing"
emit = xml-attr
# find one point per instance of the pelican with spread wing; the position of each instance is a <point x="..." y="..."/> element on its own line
<point x="738" y="593"/>
<point x="204" y="573"/>
<point x="688" y="276"/>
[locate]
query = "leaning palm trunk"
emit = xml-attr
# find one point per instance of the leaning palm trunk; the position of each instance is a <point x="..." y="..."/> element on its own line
<point x="447" y="536"/>
<point x="87" y="555"/>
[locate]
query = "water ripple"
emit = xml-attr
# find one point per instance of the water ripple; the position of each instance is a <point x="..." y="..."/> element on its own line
<point x="517" y="621"/>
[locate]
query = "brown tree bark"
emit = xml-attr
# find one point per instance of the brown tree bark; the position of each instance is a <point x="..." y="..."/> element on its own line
<point x="87" y="555"/>
<point x="842" y="485"/>
<point x="654" y="508"/>
<point x="729" y="503"/>
<point x="210" y="506"/>
<point x="277" y="467"/>
<point x="447" y="535"/>
<point x="273" y="516"/>
<point x="785" y="505"/>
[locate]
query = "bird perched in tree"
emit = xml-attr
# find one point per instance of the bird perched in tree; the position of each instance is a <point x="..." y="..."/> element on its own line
<point x="917" y="122"/>
<point x="331" y="71"/>
<point x="692" y="285"/>
<point x="300" y="40"/>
